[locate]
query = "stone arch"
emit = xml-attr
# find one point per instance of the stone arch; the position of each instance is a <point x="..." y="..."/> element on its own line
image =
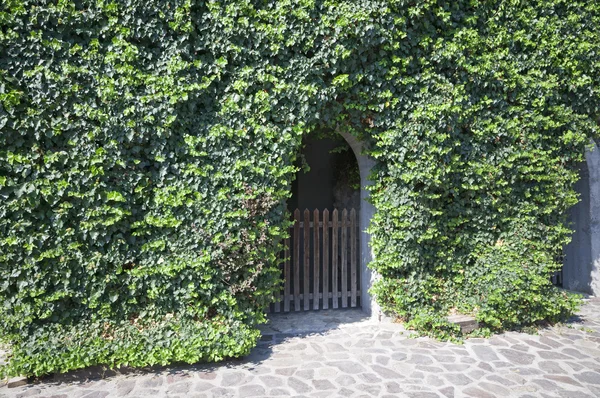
<point x="367" y="276"/>
<point x="581" y="271"/>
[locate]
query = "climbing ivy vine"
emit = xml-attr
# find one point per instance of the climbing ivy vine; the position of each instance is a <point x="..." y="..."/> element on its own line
<point x="147" y="150"/>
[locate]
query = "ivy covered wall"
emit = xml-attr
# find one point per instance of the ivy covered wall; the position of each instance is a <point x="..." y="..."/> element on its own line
<point x="147" y="149"/>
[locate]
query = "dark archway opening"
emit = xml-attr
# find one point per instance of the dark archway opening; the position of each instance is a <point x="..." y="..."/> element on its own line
<point x="328" y="178"/>
<point x="323" y="266"/>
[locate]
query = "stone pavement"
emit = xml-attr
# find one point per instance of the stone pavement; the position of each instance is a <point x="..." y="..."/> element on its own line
<point x="340" y="353"/>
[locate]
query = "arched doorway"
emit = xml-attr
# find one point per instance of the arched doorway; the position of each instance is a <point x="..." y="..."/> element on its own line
<point x="331" y="199"/>
<point x="581" y="270"/>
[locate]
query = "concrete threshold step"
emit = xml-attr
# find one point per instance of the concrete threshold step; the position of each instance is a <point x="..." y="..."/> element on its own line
<point x="467" y="323"/>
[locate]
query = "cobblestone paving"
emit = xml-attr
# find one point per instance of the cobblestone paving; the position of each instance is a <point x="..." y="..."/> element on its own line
<point x="340" y="353"/>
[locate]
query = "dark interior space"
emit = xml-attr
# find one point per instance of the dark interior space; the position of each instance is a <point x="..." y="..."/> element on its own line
<point x="328" y="176"/>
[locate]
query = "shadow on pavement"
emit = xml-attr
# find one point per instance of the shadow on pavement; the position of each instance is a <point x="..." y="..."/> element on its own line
<point x="280" y="328"/>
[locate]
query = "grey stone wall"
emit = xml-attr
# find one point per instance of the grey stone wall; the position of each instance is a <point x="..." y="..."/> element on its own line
<point x="367" y="277"/>
<point x="581" y="270"/>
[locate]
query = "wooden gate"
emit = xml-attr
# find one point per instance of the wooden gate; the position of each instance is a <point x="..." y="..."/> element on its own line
<point x="320" y="266"/>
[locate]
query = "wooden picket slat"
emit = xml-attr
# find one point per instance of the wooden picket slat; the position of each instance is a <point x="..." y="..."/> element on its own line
<point x="306" y="274"/>
<point x="286" y="273"/>
<point x="353" y="285"/>
<point x="344" y="250"/>
<point x="316" y="262"/>
<point x="334" y="257"/>
<point x="277" y="306"/>
<point x="296" y="264"/>
<point x="325" y="259"/>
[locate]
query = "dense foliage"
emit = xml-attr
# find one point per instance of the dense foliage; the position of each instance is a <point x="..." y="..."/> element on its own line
<point x="147" y="149"/>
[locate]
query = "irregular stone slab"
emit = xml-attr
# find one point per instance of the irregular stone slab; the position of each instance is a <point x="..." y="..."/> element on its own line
<point x="344" y="392"/>
<point x="430" y="369"/>
<point x="422" y="394"/>
<point x="551" y="367"/>
<point x="457" y="379"/>
<point x="500" y="380"/>
<point x="420" y="359"/>
<point x="592" y="365"/>
<point x="399" y="356"/>
<point x="148" y="392"/>
<point x="349" y="367"/>
<point x="517" y="357"/>
<point x="476" y="374"/>
<point x="206" y="375"/>
<point x="448" y="391"/>
<point x="546" y="385"/>
<point x="151" y="382"/>
<point x="251" y="390"/>
<point x="574" y="353"/>
<point x="434" y="381"/>
<point x="531" y="371"/>
<point x="498" y="341"/>
<point x="386" y="373"/>
<point x="280" y="392"/>
<point x="323" y="385"/>
<point x="272" y="381"/>
<point x="96" y="394"/>
<point x="494" y="388"/>
<point x="575" y="394"/>
<point x="484" y="353"/>
<point x="536" y="344"/>
<point x="553" y="355"/>
<point x="233" y="379"/>
<point x="444" y="358"/>
<point x="326" y="373"/>
<point x="456" y="367"/>
<point x="382" y="360"/>
<point x="563" y="379"/>
<point x="419" y="376"/>
<point x="306" y="374"/>
<point x="298" y="385"/>
<point x="550" y="342"/>
<point x="371" y="389"/>
<point x="486" y="367"/>
<point x="29" y="392"/>
<point x="520" y="347"/>
<point x="285" y="371"/>
<point x="179" y="388"/>
<point x="364" y="343"/>
<point x="223" y="392"/>
<point x="345" y="380"/>
<point x="589" y="377"/>
<point x="334" y="347"/>
<point x="477" y="392"/>
<point x="124" y="387"/>
<point x="369" y="378"/>
<point x="203" y="386"/>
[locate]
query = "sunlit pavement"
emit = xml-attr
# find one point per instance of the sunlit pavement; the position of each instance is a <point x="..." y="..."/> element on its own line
<point x="343" y="353"/>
